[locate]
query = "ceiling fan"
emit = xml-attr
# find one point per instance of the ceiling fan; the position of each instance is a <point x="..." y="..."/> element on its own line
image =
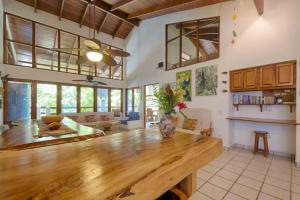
<point x="93" y="50"/>
<point x="90" y="79"/>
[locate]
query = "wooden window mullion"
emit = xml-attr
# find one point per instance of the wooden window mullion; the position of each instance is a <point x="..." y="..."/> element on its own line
<point x="33" y="46"/>
<point x="95" y="99"/>
<point x="33" y="99"/>
<point x="78" y="99"/>
<point x="59" y="98"/>
<point x="180" y="46"/>
<point x="132" y="100"/>
<point x="58" y="44"/>
<point x="109" y="99"/>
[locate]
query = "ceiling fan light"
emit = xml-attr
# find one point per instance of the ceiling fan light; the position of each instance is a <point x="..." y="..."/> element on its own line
<point x="94" y="56"/>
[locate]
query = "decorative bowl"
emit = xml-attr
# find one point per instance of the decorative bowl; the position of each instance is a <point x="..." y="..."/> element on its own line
<point x="52" y="118"/>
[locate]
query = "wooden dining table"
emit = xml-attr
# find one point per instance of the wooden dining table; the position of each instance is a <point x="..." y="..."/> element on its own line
<point x="138" y="165"/>
<point x="26" y="135"/>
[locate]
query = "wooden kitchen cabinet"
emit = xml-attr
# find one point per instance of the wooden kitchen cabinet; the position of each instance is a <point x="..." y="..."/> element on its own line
<point x="285" y="74"/>
<point x="251" y="80"/>
<point x="236" y="80"/>
<point x="267" y="76"/>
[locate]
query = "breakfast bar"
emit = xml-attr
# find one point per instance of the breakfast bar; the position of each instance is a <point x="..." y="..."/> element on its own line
<point x="136" y="165"/>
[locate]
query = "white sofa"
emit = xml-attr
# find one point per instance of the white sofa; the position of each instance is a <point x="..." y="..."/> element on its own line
<point x="201" y="114"/>
<point x="82" y="119"/>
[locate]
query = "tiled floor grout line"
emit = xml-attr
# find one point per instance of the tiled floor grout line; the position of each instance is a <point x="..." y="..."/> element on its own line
<point x="277" y="186"/>
<point x="238" y="179"/>
<point x="263" y="182"/>
<point x="214" y="174"/>
<point x="291" y="185"/>
<point x="241" y="174"/>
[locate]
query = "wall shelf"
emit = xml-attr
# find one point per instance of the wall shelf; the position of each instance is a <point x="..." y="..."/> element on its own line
<point x="290" y="104"/>
<point x="262" y="120"/>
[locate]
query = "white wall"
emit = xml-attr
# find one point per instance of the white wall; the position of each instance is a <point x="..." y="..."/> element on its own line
<point x="25" y="11"/>
<point x="274" y="37"/>
<point x="1" y="53"/>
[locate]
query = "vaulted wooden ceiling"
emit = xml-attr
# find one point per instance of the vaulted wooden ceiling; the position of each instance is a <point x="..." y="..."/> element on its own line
<point x="114" y="17"/>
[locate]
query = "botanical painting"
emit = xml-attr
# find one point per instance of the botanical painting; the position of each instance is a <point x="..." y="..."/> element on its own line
<point x="206" y="81"/>
<point x="183" y="82"/>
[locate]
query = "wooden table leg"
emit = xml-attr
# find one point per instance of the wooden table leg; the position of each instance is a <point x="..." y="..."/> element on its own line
<point x="188" y="184"/>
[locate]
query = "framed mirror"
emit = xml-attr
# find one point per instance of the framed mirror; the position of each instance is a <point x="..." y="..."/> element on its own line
<point x="191" y="42"/>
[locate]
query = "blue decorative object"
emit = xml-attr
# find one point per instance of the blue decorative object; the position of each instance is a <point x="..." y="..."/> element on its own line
<point x="132" y="116"/>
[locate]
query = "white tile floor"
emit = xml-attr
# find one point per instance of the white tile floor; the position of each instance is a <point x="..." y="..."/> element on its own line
<point x="238" y="175"/>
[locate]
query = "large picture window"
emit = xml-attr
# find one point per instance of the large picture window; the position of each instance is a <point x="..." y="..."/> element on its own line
<point x="133" y="100"/>
<point x="86" y="99"/>
<point x="46" y="99"/>
<point x="191" y="42"/>
<point x="28" y="44"/>
<point x="29" y="99"/>
<point x="19" y="101"/>
<point x="116" y="103"/>
<point x="102" y="100"/>
<point x="68" y="99"/>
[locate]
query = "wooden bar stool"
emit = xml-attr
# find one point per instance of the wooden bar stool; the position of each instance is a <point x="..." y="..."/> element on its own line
<point x="264" y="135"/>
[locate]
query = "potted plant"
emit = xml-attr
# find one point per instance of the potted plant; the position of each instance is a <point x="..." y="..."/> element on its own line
<point x="170" y="102"/>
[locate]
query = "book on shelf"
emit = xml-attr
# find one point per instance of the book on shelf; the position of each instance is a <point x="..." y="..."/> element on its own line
<point x="253" y="100"/>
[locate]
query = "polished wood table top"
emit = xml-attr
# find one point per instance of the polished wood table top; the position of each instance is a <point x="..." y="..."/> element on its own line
<point x="25" y="135"/>
<point x="136" y="165"/>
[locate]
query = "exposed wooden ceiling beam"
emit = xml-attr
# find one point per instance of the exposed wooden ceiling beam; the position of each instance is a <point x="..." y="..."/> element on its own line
<point x="201" y="23"/>
<point x="105" y="7"/>
<point x="211" y="38"/>
<point x="84" y="14"/>
<point x="200" y="47"/>
<point x="193" y="32"/>
<point x="171" y="6"/>
<point x="35" y="5"/>
<point x="120" y="3"/>
<point x="259" y="4"/>
<point x="102" y="22"/>
<point x="61" y="8"/>
<point x="118" y="28"/>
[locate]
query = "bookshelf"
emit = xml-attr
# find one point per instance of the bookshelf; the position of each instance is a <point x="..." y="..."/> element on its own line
<point x="266" y="98"/>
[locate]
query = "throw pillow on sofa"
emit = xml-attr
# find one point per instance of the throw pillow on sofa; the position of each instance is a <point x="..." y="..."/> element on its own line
<point x="105" y="118"/>
<point x="190" y="124"/>
<point x="90" y="118"/>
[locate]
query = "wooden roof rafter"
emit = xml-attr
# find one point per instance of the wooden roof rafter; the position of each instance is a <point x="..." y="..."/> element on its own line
<point x="84" y="14"/>
<point x="171" y="6"/>
<point x="118" y="28"/>
<point x="259" y="4"/>
<point x="102" y="22"/>
<point x="61" y="9"/>
<point x="120" y="4"/>
<point x="35" y="5"/>
<point x="105" y="7"/>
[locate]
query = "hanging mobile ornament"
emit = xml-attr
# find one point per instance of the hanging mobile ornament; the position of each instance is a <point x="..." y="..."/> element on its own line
<point x="234" y="19"/>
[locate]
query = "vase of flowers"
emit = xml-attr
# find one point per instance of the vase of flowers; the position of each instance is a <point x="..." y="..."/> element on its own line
<point x="170" y="102"/>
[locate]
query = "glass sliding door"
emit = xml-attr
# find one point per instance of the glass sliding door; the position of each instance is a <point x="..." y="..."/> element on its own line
<point x="151" y="107"/>
<point x="137" y="100"/>
<point x="129" y="101"/>
<point x="68" y="99"/>
<point x="102" y="100"/>
<point x="46" y="99"/>
<point x="116" y="101"/>
<point x="19" y="101"/>
<point x="86" y="99"/>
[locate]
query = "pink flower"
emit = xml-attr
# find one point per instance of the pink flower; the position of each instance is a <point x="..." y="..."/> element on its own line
<point x="181" y="105"/>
